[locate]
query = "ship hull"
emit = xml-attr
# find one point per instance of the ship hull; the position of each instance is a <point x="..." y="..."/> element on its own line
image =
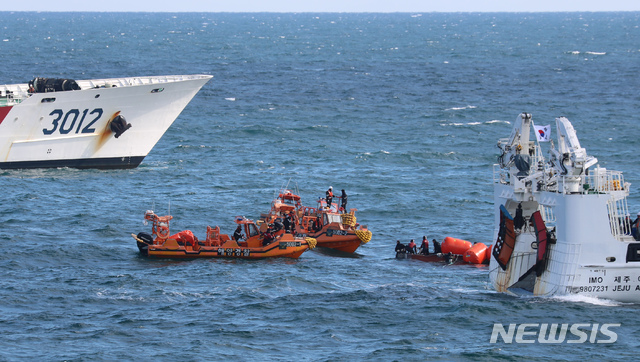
<point x="73" y="128"/>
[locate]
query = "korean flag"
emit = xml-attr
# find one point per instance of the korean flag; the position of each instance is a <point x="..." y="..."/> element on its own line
<point x="543" y="133"/>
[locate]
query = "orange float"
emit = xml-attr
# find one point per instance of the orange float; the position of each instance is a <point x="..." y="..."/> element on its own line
<point x="475" y="254"/>
<point x="455" y="246"/>
<point x="487" y="257"/>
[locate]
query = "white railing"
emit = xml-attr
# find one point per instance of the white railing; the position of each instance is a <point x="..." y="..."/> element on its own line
<point x="12" y="94"/>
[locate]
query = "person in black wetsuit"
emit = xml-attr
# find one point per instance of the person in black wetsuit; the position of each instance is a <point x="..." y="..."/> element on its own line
<point x="436" y="247"/>
<point x="518" y="220"/>
<point x="237" y="235"/>
<point x="448" y="258"/>
<point x="344" y="200"/>
<point x="400" y="248"/>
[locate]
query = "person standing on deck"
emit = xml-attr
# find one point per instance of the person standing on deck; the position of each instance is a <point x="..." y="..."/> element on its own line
<point x="424" y="247"/>
<point x="411" y="248"/>
<point x="329" y="196"/>
<point x="237" y="235"/>
<point x="344" y="200"/>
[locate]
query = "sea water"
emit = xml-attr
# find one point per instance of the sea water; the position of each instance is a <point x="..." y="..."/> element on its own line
<point x="403" y="111"/>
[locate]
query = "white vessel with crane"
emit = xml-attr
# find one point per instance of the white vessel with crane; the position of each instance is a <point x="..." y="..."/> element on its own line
<point x="562" y="222"/>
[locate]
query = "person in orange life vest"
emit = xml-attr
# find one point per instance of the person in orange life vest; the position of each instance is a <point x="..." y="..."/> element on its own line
<point x="267" y="237"/>
<point x="411" y="247"/>
<point x="329" y="197"/>
<point x="424" y="247"/>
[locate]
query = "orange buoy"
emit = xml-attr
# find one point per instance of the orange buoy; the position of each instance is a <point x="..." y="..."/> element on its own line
<point x="475" y="254"/>
<point x="455" y="246"/>
<point x="487" y="256"/>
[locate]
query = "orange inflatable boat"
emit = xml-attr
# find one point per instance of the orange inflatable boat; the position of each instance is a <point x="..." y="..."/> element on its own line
<point x="330" y="225"/>
<point x="252" y="243"/>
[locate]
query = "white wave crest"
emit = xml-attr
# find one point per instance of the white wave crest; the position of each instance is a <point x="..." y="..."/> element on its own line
<point x="460" y="108"/>
<point x="577" y="298"/>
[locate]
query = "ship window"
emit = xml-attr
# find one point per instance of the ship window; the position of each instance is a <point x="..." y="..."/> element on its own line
<point x="633" y="252"/>
<point x="48" y="100"/>
<point x="157" y="90"/>
<point x="252" y="230"/>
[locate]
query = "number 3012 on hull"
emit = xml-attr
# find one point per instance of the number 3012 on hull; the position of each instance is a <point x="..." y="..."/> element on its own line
<point x="97" y="123"/>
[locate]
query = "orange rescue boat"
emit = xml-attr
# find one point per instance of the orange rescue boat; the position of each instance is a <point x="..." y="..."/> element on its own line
<point x="253" y="245"/>
<point x="330" y="225"/>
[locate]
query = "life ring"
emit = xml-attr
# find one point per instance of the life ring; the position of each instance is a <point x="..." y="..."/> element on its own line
<point x="163" y="231"/>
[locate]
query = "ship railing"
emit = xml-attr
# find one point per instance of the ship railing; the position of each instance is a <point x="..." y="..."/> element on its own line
<point x="12" y="95"/>
<point x="619" y="219"/>
<point x="131" y="81"/>
<point x="599" y="181"/>
<point x="500" y="175"/>
<point x="602" y="180"/>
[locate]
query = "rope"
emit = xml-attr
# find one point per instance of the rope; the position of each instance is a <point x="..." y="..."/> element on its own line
<point x="348" y="219"/>
<point x="364" y="235"/>
<point x="312" y="242"/>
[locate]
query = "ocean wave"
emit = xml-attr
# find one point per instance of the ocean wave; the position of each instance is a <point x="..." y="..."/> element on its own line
<point x="589" y="300"/>
<point x="474" y="123"/>
<point x="497" y="121"/>
<point x="460" y="108"/>
<point x="576" y="52"/>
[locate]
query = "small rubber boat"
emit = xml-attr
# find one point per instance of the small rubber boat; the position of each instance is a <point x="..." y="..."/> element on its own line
<point x="330" y="225"/>
<point x="453" y="251"/>
<point x="252" y="243"/>
<point x="448" y="258"/>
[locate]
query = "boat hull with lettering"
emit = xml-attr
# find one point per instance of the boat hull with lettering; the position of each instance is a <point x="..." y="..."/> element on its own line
<point x="185" y="245"/>
<point x="330" y="225"/>
<point x="96" y="123"/>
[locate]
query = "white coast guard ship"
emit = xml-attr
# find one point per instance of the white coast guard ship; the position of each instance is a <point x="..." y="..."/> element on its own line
<point x="97" y="123"/>
<point x="562" y="222"/>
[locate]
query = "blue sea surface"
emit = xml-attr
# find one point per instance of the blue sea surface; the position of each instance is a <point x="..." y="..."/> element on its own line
<point x="403" y="111"/>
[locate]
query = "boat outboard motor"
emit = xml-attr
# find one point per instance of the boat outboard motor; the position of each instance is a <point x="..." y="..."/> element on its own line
<point x="119" y="125"/>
